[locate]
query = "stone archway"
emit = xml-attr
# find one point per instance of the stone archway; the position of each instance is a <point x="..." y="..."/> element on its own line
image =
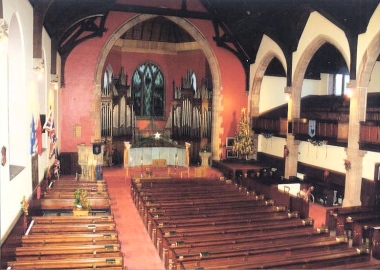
<point x="207" y="50"/>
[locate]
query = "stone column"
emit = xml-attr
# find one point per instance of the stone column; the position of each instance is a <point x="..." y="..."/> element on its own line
<point x="358" y="107"/>
<point x="294" y="107"/>
<point x="291" y="159"/>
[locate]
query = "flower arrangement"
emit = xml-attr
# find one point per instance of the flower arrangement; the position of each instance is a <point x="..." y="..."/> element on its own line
<point x="24" y="206"/>
<point x="347" y="164"/>
<point x="317" y="142"/>
<point x="267" y="135"/>
<point x="205" y="148"/>
<point x="81" y="200"/>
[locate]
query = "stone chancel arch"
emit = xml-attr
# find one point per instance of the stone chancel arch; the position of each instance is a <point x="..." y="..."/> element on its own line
<point x="203" y="44"/>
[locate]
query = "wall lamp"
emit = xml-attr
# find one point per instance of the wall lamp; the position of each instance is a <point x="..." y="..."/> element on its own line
<point x="3" y="35"/>
<point x="54" y="81"/>
<point x="288" y="93"/>
<point x="39" y="67"/>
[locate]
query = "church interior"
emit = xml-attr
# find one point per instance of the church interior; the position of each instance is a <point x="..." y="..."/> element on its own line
<point x="190" y="134"/>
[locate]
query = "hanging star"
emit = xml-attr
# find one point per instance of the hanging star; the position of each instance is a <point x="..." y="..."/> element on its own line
<point x="157" y="135"/>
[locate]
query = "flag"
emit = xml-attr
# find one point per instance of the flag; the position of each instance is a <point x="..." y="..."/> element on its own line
<point x="49" y="121"/>
<point x="39" y="137"/>
<point x="32" y="137"/>
<point x="312" y="128"/>
<point x="53" y="139"/>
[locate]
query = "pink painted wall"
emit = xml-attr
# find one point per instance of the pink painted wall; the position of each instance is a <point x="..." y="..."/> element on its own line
<point x="77" y="96"/>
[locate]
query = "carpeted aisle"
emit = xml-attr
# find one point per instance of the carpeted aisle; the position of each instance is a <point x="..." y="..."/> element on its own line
<point x="139" y="251"/>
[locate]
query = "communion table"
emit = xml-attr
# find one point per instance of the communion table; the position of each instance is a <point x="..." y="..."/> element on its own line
<point x="145" y="156"/>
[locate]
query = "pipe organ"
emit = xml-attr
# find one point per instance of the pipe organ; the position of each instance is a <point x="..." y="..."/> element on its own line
<point x="191" y="112"/>
<point x="117" y="115"/>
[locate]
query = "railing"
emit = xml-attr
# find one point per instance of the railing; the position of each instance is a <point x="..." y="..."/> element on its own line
<point x="277" y="126"/>
<point x="370" y="135"/>
<point x="332" y="131"/>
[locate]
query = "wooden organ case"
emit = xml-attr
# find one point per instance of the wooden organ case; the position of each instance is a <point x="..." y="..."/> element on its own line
<point x="191" y="116"/>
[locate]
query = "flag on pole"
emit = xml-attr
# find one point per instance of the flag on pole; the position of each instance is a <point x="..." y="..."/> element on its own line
<point x="33" y="141"/>
<point x="39" y="137"/>
<point x="53" y="139"/>
<point x="49" y="121"/>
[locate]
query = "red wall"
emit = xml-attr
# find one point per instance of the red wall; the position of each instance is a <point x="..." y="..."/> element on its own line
<point x="77" y="96"/>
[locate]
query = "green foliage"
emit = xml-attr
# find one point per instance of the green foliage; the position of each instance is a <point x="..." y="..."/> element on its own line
<point x="243" y="140"/>
<point x="81" y="200"/>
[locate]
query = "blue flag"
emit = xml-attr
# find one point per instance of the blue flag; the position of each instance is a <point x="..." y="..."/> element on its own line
<point x="33" y="142"/>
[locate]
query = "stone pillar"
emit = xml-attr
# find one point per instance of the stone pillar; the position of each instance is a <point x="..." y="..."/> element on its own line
<point x="353" y="184"/>
<point x="291" y="159"/>
<point x="83" y="160"/>
<point x="358" y="107"/>
<point x="294" y="107"/>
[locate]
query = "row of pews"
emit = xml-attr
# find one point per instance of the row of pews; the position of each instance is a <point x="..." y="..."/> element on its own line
<point x="205" y="223"/>
<point x="361" y="224"/>
<point x="60" y="240"/>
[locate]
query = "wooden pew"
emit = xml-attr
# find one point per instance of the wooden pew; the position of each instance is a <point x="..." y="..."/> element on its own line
<point x="70" y="194"/>
<point x="69" y="256"/>
<point x="359" y="265"/>
<point x="219" y="234"/>
<point x="259" y="249"/>
<point x="363" y="229"/>
<point x="77" y="183"/>
<point x="75" y="263"/>
<point x="72" y="227"/>
<point x="69" y="239"/>
<point x="252" y="245"/>
<point x="100" y="204"/>
<point x="209" y="231"/>
<point x="284" y="259"/>
<point x="72" y="219"/>
<point x="62" y="250"/>
<point x="339" y="216"/>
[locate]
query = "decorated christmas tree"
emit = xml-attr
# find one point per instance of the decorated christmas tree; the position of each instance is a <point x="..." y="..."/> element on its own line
<point x="243" y="140"/>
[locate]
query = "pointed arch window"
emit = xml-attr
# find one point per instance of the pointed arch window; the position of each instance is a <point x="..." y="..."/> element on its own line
<point x="148" y="91"/>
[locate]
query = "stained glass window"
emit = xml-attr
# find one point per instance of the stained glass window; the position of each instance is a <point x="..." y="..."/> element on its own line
<point x="148" y="91"/>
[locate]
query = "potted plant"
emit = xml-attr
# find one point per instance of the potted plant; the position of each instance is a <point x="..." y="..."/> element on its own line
<point x="81" y="203"/>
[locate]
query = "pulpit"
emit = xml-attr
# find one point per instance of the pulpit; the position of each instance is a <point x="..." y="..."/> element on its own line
<point x="89" y="156"/>
<point x="205" y="156"/>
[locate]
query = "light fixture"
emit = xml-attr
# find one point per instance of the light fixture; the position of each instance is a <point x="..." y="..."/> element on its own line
<point x="54" y="81"/>
<point x="349" y="93"/>
<point x="39" y="67"/>
<point x="157" y="135"/>
<point x="3" y="35"/>
<point x="288" y="93"/>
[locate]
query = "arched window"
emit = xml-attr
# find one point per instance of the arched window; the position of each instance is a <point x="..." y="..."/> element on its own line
<point x="148" y="91"/>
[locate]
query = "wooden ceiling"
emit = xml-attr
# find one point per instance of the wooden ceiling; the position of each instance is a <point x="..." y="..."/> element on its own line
<point x="239" y="24"/>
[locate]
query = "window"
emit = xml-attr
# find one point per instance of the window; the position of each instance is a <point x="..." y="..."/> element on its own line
<point x="340" y="84"/>
<point x="148" y="91"/>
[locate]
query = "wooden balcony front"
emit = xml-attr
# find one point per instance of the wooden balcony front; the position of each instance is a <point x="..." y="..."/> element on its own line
<point x="275" y="126"/>
<point x="370" y="136"/>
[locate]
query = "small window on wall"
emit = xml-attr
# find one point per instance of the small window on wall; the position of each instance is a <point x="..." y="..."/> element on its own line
<point x="148" y="91"/>
<point x="340" y="84"/>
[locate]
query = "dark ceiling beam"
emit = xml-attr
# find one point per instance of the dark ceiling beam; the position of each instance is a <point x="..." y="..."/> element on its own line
<point x="76" y="35"/>
<point x="228" y="38"/>
<point x="39" y="10"/>
<point x="183" y="13"/>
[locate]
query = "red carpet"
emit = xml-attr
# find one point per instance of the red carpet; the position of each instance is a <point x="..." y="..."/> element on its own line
<point x="139" y="251"/>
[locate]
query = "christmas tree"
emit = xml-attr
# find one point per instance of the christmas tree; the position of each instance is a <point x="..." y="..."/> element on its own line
<point x="243" y="140"/>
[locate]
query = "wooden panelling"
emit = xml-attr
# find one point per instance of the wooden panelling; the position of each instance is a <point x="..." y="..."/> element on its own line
<point x="69" y="163"/>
